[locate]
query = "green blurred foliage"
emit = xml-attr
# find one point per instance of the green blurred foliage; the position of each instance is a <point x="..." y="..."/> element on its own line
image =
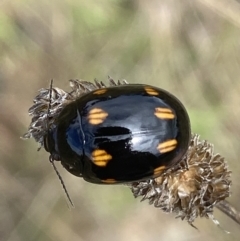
<point x="187" y="47"/>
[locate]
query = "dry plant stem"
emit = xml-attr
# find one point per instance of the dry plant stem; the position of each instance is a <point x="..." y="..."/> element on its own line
<point x="229" y="210"/>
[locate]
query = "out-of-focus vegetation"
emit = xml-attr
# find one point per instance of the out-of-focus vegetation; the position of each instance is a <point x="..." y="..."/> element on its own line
<point x="191" y="48"/>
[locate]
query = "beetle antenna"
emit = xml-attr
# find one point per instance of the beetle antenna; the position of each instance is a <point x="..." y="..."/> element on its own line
<point x="62" y="182"/>
<point x="50" y="157"/>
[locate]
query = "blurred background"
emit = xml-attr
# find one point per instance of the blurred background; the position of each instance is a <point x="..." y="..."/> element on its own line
<point x="189" y="47"/>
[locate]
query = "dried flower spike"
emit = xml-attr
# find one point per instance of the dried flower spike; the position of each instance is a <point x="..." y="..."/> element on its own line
<point x="191" y="189"/>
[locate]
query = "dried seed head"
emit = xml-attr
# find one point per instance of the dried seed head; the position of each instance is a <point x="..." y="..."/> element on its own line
<point x="192" y="188"/>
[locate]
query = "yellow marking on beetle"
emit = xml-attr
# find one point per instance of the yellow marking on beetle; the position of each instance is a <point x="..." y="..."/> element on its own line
<point x="97" y="116"/>
<point x="101" y="157"/>
<point x="151" y="91"/>
<point x="164" y="113"/>
<point x="166" y="110"/>
<point x="158" y="170"/>
<point x="167" y="146"/>
<point x="100" y="91"/>
<point x="109" y="181"/>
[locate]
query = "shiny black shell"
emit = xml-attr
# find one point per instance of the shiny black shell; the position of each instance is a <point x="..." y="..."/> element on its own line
<point x="120" y="134"/>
